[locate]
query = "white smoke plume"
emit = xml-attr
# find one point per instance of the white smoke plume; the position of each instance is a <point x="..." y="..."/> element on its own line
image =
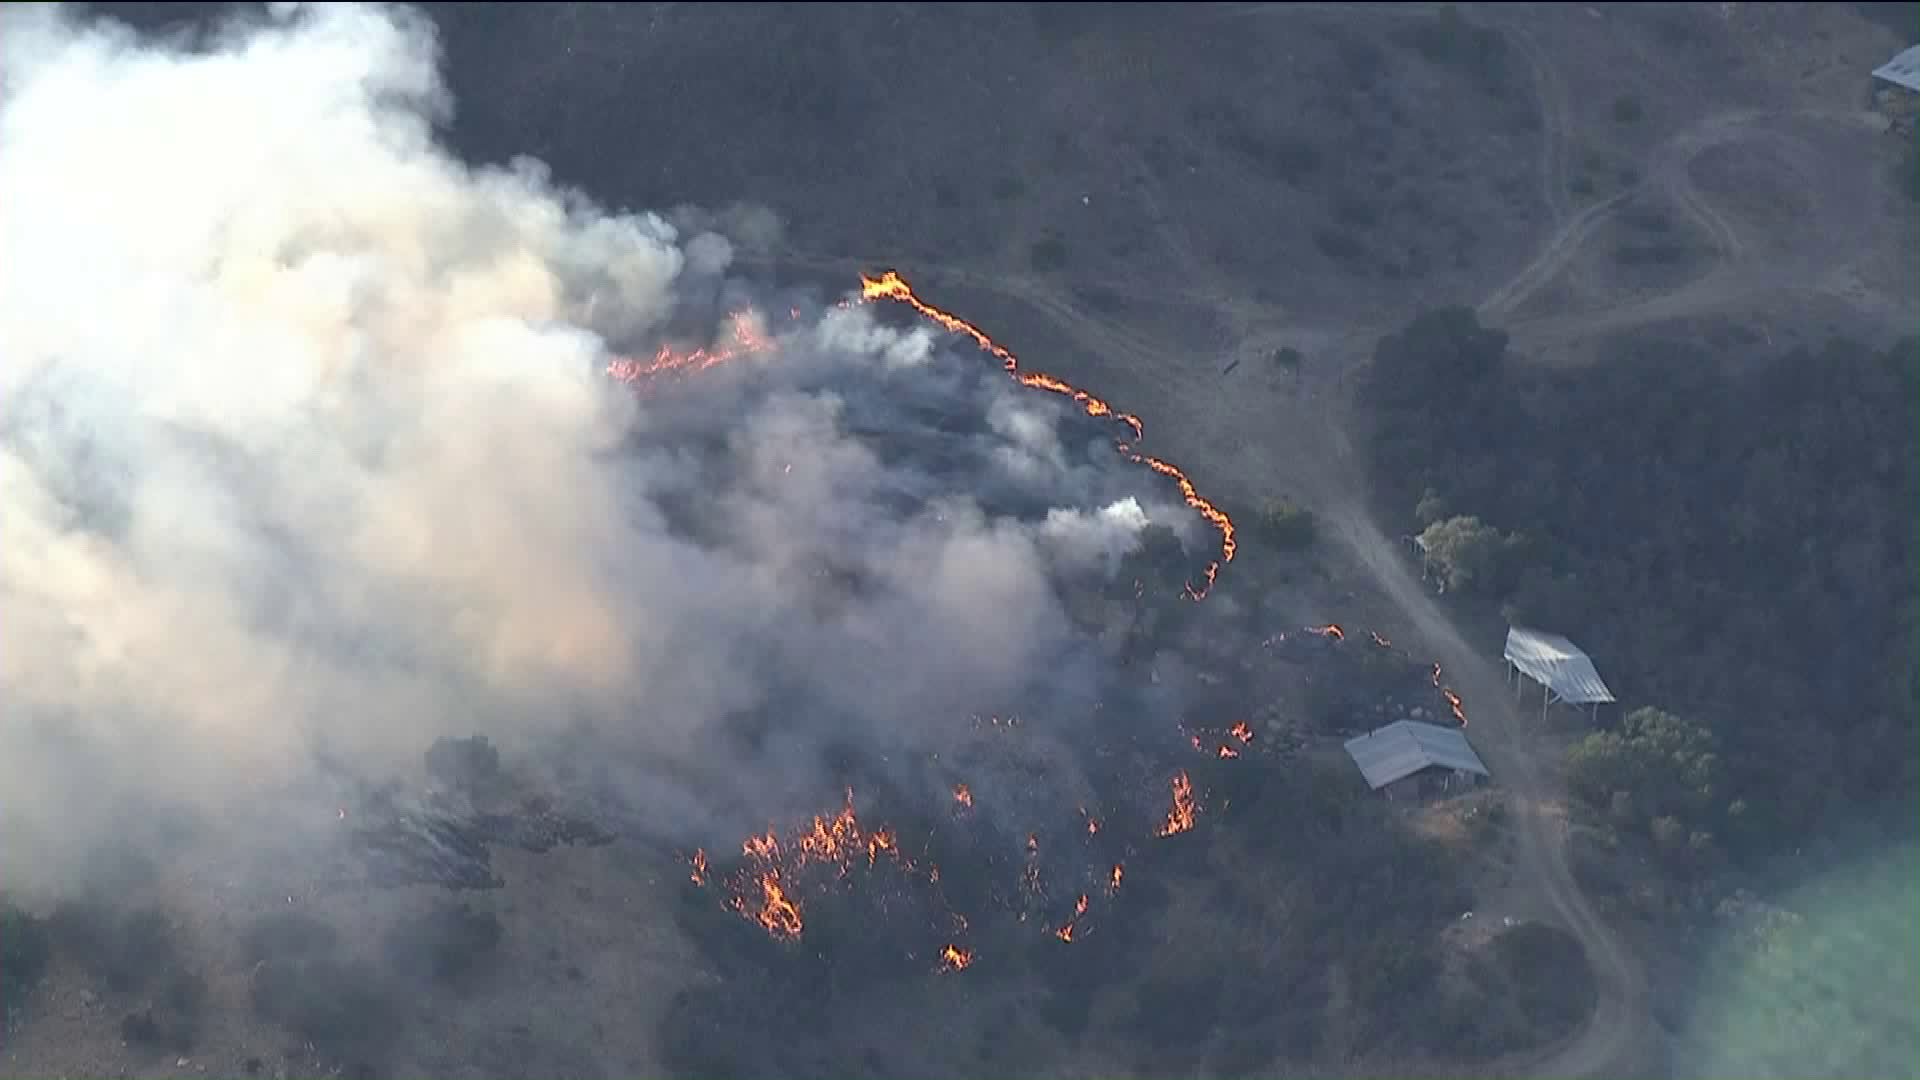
<point x="306" y="447"/>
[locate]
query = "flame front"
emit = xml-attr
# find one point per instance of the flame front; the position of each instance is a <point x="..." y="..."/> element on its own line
<point x="1453" y="699"/>
<point x="765" y="888"/>
<point x="699" y="861"/>
<point x="746" y="336"/>
<point x="1181" y="817"/>
<point x="1329" y="631"/>
<point x="1242" y="730"/>
<point x="1227" y="753"/>
<point x="891" y="286"/>
<point x="956" y="958"/>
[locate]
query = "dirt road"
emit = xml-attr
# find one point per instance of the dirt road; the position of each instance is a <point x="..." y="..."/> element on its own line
<point x="1612" y="1041"/>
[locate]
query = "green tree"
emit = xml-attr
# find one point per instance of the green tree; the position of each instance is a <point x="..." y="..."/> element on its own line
<point x="1468" y="553"/>
<point x="1658" y="769"/>
<point x="1286" y="524"/>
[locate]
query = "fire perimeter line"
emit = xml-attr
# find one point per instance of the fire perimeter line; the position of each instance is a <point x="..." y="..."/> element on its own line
<point x="891" y="286"/>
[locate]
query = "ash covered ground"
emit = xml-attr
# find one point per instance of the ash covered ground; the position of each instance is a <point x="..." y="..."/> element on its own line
<point x="370" y="514"/>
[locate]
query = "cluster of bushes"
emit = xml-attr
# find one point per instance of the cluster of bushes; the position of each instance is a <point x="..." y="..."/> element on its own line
<point x="1286" y="524"/>
<point x="1450" y="40"/>
<point x="348" y="1009"/>
<point x="1530" y="985"/>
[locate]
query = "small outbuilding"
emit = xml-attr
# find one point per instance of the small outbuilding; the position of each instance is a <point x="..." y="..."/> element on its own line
<point x="1564" y="672"/>
<point x="1410" y="760"/>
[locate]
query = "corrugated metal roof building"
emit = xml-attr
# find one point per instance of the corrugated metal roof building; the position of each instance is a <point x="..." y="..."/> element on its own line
<point x="1902" y="70"/>
<point x="1405" y="748"/>
<point x="1563" y="671"/>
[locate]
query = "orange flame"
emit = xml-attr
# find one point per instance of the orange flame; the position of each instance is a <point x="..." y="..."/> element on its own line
<point x="1033" y="843"/>
<point x="1065" y="933"/>
<point x="1113" y="879"/>
<point x="1380" y="641"/>
<point x="699" y="862"/>
<point x="746" y="338"/>
<point x="1453" y="699"/>
<point x="891" y="286"/>
<point x="1228" y="753"/>
<point x="764" y="891"/>
<point x="765" y="847"/>
<point x="1181" y="817"/>
<point x="778" y="914"/>
<point x="1080" y="906"/>
<point x="963" y="796"/>
<point x="1330" y="630"/>
<point x="956" y="958"/>
<point x="1241" y="730"/>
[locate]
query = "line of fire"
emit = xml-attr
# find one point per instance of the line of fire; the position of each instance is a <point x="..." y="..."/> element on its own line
<point x="945" y="892"/>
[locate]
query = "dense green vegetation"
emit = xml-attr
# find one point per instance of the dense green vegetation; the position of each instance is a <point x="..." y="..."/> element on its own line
<point x="1732" y="537"/>
<point x="1659" y="774"/>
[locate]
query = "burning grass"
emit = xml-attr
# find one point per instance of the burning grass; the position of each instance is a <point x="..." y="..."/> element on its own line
<point x="1243" y="873"/>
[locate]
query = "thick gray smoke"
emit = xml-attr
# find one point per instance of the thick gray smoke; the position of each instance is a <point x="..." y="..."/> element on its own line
<point x="307" y="450"/>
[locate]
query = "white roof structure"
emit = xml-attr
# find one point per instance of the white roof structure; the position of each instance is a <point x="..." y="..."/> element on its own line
<point x="1902" y="70"/>
<point x="1556" y="664"/>
<point x="1404" y="747"/>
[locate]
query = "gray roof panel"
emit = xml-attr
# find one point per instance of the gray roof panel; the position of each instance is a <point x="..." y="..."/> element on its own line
<point x="1902" y="70"/>
<point x="1404" y="747"/>
<point x="1558" y="664"/>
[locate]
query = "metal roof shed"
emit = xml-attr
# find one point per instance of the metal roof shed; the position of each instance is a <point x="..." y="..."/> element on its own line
<point x="1404" y="747"/>
<point x="1563" y="671"/>
<point x="1903" y="70"/>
